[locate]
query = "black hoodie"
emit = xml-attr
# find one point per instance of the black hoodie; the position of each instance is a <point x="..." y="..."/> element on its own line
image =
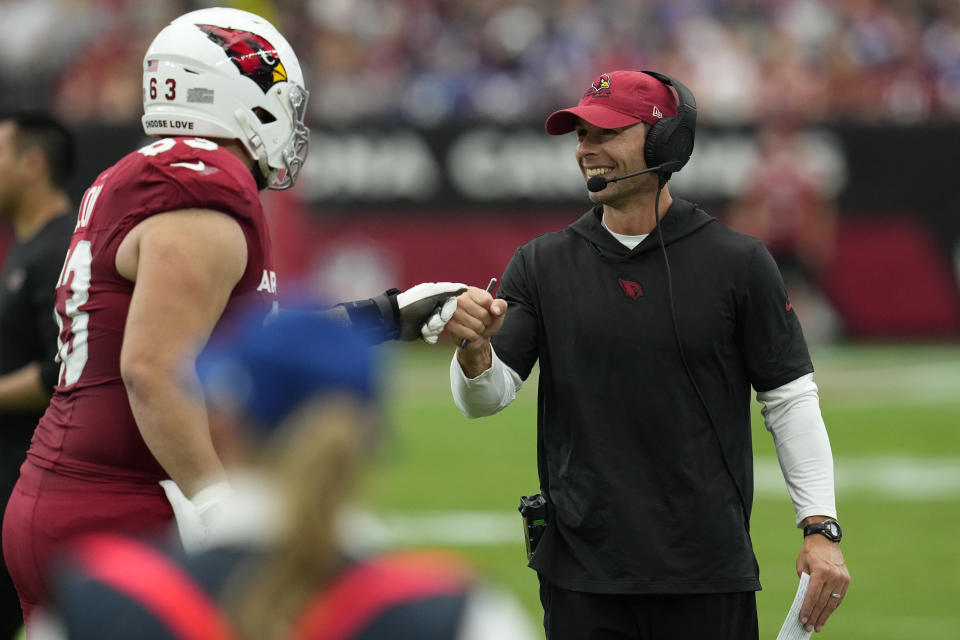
<point x="639" y="496"/>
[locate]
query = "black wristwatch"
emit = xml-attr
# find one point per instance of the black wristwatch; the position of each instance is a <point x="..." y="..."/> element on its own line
<point x="828" y="528"/>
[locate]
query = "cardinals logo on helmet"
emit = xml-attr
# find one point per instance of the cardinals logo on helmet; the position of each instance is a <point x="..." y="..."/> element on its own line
<point x="253" y="56"/>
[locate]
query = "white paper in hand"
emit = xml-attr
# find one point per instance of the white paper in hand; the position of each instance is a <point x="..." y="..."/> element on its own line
<point x="792" y="629"/>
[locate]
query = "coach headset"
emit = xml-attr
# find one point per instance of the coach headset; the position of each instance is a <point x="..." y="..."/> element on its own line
<point x="667" y="149"/>
<point x="669" y="141"/>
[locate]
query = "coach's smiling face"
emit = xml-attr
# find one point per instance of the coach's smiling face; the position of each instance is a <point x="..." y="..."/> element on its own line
<point x="611" y="153"/>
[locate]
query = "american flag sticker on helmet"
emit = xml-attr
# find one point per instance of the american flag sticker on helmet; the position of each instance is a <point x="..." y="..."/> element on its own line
<point x="152" y="65"/>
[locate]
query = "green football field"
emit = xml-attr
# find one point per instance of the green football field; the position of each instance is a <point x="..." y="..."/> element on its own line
<point x="893" y="414"/>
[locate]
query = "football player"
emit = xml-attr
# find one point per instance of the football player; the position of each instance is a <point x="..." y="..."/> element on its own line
<point x="169" y="243"/>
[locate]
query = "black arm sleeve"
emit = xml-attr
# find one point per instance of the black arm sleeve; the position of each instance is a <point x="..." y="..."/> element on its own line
<point x="378" y="318"/>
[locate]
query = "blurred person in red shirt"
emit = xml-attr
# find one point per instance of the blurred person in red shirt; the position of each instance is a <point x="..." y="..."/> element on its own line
<point x="787" y="205"/>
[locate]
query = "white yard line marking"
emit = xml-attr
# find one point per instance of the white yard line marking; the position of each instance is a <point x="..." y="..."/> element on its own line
<point x="886" y="384"/>
<point x="912" y="479"/>
<point x="462" y="528"/>
<point x="892" y="477"/>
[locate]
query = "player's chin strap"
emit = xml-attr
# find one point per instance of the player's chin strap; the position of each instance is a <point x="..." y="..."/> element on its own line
<point x="256" y="142"/>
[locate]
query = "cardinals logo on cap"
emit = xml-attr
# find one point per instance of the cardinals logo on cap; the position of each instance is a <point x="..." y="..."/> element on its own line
<point x="600" y="88"/>
<point x="603" y="82"/>
<point x="253" y="56"/>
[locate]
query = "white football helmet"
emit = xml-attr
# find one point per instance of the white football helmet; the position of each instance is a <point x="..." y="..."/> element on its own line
<point x="227" y="73"/>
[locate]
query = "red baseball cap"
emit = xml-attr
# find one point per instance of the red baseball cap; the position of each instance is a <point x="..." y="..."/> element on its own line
<point x="617" y="99"/>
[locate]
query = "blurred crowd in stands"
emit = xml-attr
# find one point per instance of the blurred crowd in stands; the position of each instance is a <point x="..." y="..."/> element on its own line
<point x="438" y="62"/>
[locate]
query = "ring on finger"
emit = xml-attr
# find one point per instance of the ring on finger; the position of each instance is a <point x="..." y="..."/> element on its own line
<point x="836" y="595"/>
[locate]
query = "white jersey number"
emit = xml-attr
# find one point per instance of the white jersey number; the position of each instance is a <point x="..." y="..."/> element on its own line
<point x="72" y="347"/>
<point x="72" y="352"/>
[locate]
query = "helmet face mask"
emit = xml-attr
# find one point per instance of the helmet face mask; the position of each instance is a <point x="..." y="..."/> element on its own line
<point x="226" y="73"/>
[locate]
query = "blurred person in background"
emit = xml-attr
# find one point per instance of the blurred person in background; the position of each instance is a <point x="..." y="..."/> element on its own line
<point x="786" y="205"/>
<point x="36" y="161"/>
<point x="651" y="321"/>
<point x="294" y="414"/>
<point x="169" y="244"/>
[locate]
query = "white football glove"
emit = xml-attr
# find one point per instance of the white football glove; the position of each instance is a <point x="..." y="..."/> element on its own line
<point x="197" y="518"/>
<point x="426" y="308"/>
<point x="434" y="325"/>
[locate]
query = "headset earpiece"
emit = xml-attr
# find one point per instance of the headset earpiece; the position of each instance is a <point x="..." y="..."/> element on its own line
<point x="658" y="147"/>
<point x="671" y="139"/>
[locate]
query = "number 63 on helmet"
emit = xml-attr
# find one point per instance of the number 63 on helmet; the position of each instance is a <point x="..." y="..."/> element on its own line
<point x="226" y="73"/>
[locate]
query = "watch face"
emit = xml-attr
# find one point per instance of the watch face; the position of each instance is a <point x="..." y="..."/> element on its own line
<point x="829" y="528"/>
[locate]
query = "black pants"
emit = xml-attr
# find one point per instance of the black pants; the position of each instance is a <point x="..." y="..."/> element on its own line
<point x="574" y="615"/>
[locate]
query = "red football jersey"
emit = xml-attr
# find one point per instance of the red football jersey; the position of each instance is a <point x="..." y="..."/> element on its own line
<point x="88" y="431"/>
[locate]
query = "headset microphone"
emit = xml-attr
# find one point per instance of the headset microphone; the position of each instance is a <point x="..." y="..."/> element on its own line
<point x="599" y="183"/>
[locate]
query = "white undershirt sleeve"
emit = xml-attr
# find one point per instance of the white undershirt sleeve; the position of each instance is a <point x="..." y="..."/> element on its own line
<point x="486" y="394"/>
<point x="792" y="415"/>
